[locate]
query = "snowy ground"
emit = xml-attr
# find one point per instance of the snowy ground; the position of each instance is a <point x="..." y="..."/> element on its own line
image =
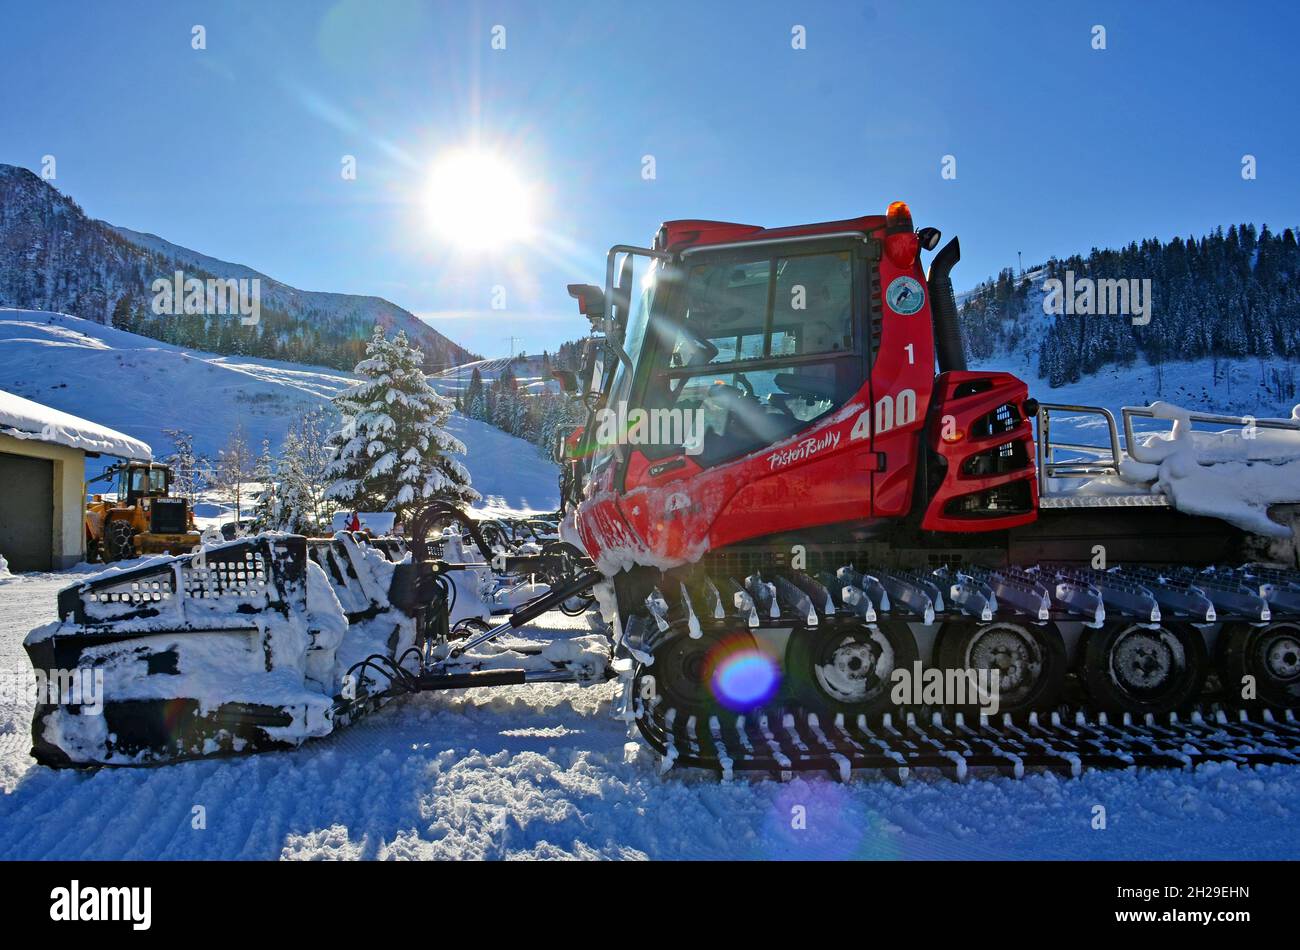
<point x="542" y="771"/>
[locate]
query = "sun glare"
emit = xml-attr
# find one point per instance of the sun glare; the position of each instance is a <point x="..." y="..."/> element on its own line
<point x="476" y="201"/>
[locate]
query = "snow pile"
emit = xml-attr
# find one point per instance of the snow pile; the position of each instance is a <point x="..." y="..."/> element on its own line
<point x="1233" y="475"/>
<point x="25" y="419"/>
<point x="4" y="567"/>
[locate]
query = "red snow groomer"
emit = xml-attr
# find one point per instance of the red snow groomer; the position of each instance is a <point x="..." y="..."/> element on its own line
<point x="839" y="529"/>
<point x="823" y="543"/>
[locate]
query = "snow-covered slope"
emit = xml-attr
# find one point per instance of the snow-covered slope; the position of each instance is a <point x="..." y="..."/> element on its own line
<point x="140" y="387"/>
<point x="506" y="471"/>
<point x="530" y="375"/>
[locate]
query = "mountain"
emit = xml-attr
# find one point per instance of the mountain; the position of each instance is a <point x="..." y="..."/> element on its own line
<point x="1221" y="327"/>
<point x="55" y="258"/>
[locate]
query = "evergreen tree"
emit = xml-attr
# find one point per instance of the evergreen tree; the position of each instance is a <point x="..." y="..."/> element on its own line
<point x="475" y="405"/>
<point x="266" y="511"/>
<point x="122" y="313"/>
<point x="391" y="450"/>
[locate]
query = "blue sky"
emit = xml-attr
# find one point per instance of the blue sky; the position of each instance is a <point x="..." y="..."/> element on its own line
<point x="235" y="150"/>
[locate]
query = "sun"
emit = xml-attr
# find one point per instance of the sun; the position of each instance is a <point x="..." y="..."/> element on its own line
<point x="476" y="201"/>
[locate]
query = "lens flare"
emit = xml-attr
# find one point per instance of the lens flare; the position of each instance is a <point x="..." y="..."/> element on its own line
<point x="744" y="678"/>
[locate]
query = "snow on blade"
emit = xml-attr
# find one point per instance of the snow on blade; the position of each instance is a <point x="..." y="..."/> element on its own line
<point x="1233" y="475"/>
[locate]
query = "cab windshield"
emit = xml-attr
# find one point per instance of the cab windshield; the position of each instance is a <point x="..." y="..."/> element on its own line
<point x="142" y="481"/>
<point x="634" y="337"/>
<point x="754" y="346"/>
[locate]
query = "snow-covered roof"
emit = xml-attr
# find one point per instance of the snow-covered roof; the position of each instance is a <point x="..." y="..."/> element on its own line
<point x="25" y="419"/>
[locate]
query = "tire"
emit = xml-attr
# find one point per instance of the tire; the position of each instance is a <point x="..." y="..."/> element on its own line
<point x="577" y="605"/>
<point x="714" y="673"/>
<point x="118" y="537"/>
<point x="848" y="670"/>
<point x="1141" y="669"/>
<point x="1030" y="660"/>
<point x="1269" y="653"/>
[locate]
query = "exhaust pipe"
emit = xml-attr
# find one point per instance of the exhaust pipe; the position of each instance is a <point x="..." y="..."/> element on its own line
<point x="943" y="307"/>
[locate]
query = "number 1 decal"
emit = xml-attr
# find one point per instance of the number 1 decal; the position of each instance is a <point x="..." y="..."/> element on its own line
<point x="911" y="354"/>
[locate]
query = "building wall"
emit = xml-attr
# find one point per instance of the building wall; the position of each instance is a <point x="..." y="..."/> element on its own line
<point x="69" y="494"/>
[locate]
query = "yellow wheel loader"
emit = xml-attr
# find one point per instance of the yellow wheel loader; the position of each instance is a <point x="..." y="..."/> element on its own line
<point x="144" y="518"/>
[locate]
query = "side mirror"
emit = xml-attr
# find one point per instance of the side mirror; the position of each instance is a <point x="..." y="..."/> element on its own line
<point x="558" y="445"/>
<point x="567" y="379"/>
<point x="623" y="292"/>
<point x="591" y="300"/>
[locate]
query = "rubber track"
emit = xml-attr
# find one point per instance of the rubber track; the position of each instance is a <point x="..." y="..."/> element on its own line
<point x="783" y="741"/>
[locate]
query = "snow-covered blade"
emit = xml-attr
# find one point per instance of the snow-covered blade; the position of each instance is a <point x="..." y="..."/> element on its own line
<point x="240" y="647"/>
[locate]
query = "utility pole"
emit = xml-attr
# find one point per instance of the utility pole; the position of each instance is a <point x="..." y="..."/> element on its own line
<point x="512" y="340"/>
<point x="1022" y="263"/>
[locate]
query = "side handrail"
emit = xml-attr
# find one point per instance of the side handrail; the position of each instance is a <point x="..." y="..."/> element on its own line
<point x="1049" y="468"/>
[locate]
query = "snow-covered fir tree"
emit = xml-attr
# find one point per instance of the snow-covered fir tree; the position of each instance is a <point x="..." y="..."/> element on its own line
<point x="391" y="452"/>
<point x="475" y="402"/>
<point x="266" y="511"/>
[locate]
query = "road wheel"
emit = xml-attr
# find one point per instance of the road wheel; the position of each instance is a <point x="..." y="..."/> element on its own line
<point x="1270" y="654"/>
<point x="1029" y="660"/>
<point x="705" y="675"/>
<point x="1141" y="669"/>
<point x="842" y="669"/>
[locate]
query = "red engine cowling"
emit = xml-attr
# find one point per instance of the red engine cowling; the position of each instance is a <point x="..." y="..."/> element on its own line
<point x="981" y="431"/>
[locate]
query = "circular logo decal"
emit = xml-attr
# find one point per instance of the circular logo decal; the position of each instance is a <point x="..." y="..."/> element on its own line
<point x="905" y="295"/>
